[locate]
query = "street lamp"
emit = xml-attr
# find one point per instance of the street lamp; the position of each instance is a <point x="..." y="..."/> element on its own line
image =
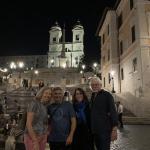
<point x="112" y="78"/>
<point x="5" y="69"/>
<point x="36" y="72"/>
<point x="20" y="65"/>
<point x="12" y="65"/>
<point x="52" y="62"/>
<point x="64" y="65"/>
<point x="95" y="65"/>
<point x="83" y="67"/>
<point x="81" y="72"/>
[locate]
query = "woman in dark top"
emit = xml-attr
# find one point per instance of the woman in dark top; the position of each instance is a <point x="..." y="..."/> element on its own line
<point x="82" y="137"/>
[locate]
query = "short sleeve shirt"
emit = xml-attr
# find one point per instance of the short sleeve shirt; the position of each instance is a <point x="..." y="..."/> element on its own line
<point x="40" y="118"/>
<point x="61" y="121"/>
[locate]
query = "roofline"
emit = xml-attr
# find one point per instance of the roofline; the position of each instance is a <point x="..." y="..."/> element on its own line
<point x="102" y="20"/>
<point x="117" y="3"/>
<point x="104" y="15"/>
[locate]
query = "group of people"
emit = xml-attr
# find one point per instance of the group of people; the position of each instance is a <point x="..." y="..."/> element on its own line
<point x="78" y="125"/>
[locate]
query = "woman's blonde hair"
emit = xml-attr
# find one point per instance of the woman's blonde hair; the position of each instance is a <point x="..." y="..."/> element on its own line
<point x="41" y="91"/>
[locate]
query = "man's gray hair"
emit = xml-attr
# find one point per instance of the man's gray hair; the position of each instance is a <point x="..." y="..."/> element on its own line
<point x="95" y="79"/>
<point x="41" y="91"/>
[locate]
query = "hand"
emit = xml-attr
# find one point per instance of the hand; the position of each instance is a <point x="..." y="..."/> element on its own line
<point x="69" y="140"/>
<point x="114" y="135"/>
<point x="36" y="146"/>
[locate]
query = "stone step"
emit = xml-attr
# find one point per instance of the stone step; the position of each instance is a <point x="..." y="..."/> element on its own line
<point x="128" y="113"/>
<point x="136" y="120"/>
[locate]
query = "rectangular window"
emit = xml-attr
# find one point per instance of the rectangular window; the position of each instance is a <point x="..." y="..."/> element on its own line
<point x="103" y="59"/>
<point x="120" y="21"/>
<point x="109" y="78"/>
<point x="76" y="60"/>
<point x="108" y="54"/>
<point x="133" y="33"/>
<point x="121" y="47"/>
<point x="131" y="4"/>
<point x="134" y="64"/>
<point x="122" y="74"/>
<point x="104" y="81"/>
<point x="103" y="38"/>
<point x="54" y="39"/>
<point x="77" y="37"/>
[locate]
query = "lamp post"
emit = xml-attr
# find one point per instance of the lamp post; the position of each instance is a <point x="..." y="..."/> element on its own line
<point x="64" y="65"/>
<point x="12" y="65"/>
<point x="112" y="78"/>
<point x="4" y="72"/>
<point x="81" y="72"/>
<point x="83" y="68"/>
<point x="52" y="62"/>
<point x="20" y="65"/>
<point x="94" y="65"/>
<point x="36" y="72"/>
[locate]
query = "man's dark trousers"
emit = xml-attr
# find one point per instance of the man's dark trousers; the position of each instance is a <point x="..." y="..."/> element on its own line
<point x="102" y="141"/>
<point x="120" y="120"/>
<point x="59" y="146"/>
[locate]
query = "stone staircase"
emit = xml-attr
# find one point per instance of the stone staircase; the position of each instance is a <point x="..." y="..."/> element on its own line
<point x="140" y="106"/>
<point x="136" y="110"/>
<point x="128" y="120"/>
<point x="21" y="96"/>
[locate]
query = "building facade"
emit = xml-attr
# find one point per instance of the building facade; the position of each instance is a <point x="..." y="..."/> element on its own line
<point x="125" y="51"/>
<point x="62" y="53"/>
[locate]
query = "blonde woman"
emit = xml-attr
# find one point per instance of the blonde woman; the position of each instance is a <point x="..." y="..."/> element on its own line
<point x="35" y="137"/>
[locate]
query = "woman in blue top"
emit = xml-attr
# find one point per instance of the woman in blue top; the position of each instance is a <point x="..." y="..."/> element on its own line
<point x="82" y="137"/>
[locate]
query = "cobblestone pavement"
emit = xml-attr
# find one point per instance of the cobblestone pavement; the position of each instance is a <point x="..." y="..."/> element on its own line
<point x="133" y="137"/>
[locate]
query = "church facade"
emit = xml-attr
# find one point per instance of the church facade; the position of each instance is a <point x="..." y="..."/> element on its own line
<point x="62" y="53"/>
<point x="57" y="67"/>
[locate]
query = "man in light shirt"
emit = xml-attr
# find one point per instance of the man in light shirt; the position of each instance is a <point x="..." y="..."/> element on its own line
<point x="120" y="113"/>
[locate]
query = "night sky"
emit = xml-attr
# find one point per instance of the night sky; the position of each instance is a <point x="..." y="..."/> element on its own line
<point x="24" y="26"/>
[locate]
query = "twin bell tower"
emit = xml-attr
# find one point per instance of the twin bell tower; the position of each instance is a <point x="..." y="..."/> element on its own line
<point x="65" y="54"/>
